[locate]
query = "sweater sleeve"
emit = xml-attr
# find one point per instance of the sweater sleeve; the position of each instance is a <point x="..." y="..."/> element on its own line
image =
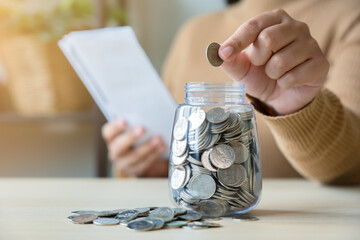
<point x="322" y="141"/>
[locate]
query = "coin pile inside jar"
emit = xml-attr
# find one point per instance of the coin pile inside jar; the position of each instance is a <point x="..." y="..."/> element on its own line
<point x="214" y="161"/>
<point x="145" y="219"/>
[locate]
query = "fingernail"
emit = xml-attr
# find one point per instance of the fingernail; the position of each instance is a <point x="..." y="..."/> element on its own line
<point x="226" y="52"/>
<point x="155" y="141"/>
<point x="120" y="122"/>
<point x="138" y="131"/>
<point x="161" y="148"/>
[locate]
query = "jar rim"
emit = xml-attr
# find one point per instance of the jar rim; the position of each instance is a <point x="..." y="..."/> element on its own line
<point x="214" y="92"/>
<point x="215" y="86"/>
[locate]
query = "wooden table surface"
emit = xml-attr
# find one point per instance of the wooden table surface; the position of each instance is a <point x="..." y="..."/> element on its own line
<point x="289" y="209"/>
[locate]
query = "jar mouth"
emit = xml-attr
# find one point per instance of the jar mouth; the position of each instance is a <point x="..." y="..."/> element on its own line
<point x="202" y="93"/>
<point x="215" y="86"/>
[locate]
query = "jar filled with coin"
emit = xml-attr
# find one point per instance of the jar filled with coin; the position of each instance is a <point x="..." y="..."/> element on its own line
<point x="214" y="161"/>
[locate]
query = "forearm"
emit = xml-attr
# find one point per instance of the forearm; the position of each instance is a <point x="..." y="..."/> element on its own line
<point x="321" y="141"/>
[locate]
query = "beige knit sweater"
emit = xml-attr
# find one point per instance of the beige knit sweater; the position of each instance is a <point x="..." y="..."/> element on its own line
<point x="320" y="142"/>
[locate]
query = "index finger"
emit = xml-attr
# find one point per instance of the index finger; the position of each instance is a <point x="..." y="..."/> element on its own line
<point x="248" y="32"/>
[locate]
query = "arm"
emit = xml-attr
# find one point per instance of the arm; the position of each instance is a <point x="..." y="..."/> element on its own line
<point x="326" y="146"/>
<point x="322" y="140"/>
<point x="316" y="128"/>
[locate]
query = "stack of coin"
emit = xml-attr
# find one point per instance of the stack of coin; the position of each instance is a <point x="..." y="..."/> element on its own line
<point x="144" y="219"/>
<point x="199" y="137"/>
<point x="214" y="163"/>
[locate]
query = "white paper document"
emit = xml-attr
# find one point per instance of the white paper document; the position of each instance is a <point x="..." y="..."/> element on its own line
<point x="120" y="77"/>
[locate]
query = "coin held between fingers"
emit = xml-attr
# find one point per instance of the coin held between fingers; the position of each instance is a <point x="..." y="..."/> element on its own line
<point x="212" y="54"/>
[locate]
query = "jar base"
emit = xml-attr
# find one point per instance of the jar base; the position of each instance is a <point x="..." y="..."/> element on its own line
<point x="242" y="212"/>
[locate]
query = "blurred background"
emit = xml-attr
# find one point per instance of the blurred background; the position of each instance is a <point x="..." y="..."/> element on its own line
<point x="49" y="125"/>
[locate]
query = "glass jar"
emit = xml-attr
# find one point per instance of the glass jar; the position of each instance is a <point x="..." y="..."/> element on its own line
<point x="215" y="161"/>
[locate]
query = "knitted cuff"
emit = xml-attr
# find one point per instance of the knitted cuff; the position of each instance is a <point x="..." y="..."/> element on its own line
<point x="317" y="139"/>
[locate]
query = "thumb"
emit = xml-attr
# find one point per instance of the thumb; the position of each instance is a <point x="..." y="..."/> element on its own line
<point x="237" y="67"/>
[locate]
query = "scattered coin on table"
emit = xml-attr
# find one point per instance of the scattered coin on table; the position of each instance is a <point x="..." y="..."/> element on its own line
<point x="127" y="215"/>
<point x="176" y="224"/>
<point x="151" y="218"/>
<point x="141" y="225"/>
<point x="83" y="219"/>
<point x="106" y="221"/>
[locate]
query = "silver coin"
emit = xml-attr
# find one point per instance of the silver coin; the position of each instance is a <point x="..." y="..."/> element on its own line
<point x="204" y="224"/>
<point x="194" y="161"/>
<point x="211" y="208"/>
<point x="246" y="196"/>
<point x="71" y="217"/>
<point x="257" y="185"/>
<point x="188" y="174"/>
<point x="179" y="160"/>
<point x="193" y="227"/>
<point x="217" y="115"/>
<point x="214" y="139"/>
<point x="165" y="213"/>
<point x="143" y="211"/>
<point x="111" y="213"/>
<point x="212" y="54"/>
<point x="202" y="186"/>
<point x="178" y="178"/>
<point x="158" y="222"/>
<point x="221" y="127"/>
<point x="222" y="156"/>
<point x="85" y="212"/>
<point x="245" y="218"/>
<point x="188" y="206"/>
<point x="191" y="216"/>
<point x="119" y="210"/>
<point x="176" y="224"/>
<point x="140" y="225"/>
<point x="199" y="170"/>
<point x="106" y="221"/>
<point x="179" y="147"/>
<point x="83" y="219"/>
<point x="206" y="161"/>
<point x="127" y="215"/>
<point x="233" y="176"/>
<point x="180" y="129"/>
<point x="234" y="120"/>
<point x="241" y="152"/>
<point x="245" y="113"/>
<point x="197" y="119"/>
<point x="187" y="197"/>
<point x="179" y="211"/>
